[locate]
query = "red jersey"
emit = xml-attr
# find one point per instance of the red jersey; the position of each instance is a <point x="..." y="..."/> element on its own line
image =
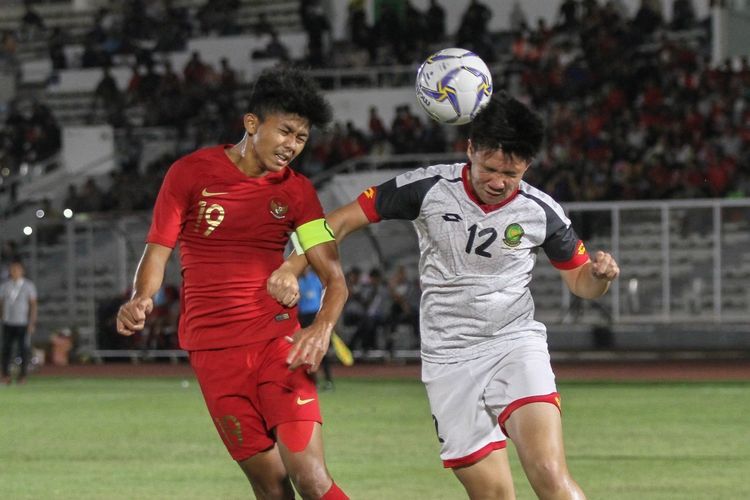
<point x="232" y="231"/>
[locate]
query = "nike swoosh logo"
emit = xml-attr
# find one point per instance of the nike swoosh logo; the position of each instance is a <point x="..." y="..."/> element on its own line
<point x="301" y="401"/>
<point x="206" y="192"/>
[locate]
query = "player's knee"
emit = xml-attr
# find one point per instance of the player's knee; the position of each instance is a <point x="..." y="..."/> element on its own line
<point x="270" y="487"/>
<point x="312" y="481"/>
<point x="549" y="476"/>
<point x="493" y="491"/>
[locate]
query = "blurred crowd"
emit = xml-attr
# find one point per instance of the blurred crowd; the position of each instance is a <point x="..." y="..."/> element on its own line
<point x="633" y="107"/>
<point x="634" y="110"/>
<point x="382" y="312"/>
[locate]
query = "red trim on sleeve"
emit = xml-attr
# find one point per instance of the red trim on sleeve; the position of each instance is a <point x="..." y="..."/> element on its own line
<point x="474" y="457"/>
<point x="579" y="258"/>
<point x="366" y="200"/>
<point x="552" y="398"/>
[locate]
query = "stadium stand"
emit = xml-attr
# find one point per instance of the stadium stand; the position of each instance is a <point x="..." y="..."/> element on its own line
<point x="668" y="125"/>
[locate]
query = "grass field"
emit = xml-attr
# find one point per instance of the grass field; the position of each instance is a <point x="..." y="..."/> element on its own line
<point x="152" y="439"/>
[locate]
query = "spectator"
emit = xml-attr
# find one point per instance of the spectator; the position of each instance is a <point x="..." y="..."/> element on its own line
<point x="108" y="96"/>
<point x="32" y="24"/>
<point x="359" y="32"/>
<point x="376" y="302"/>
<point x="19" y="306"/>
<point x="517" y="18"/>
<point x="56" y="48"/>
<point x="405" y="296"/>
<point x="435" y="19"/>
<point x="8" y="49"/>
<point x="275" y="49"/>
<point x="318" y="31"/>
<point x="683" y="15"/>
<point x="354" y="308"/>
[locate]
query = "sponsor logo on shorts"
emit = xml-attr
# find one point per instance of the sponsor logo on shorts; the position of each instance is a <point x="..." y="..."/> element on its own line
<point x="302" y="402"/>
<point x="230" y="429"/>
<point x="558" y="402"/>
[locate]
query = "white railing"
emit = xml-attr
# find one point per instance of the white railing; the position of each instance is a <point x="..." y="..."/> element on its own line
<point x="682" y="261"/>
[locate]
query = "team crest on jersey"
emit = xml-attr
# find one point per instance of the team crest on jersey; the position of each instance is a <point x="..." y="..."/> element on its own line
<point x="513" y="234"/>
<point x="278" y="208"/>
<point x="369" y="193"/>
<point x="581" y="249"/>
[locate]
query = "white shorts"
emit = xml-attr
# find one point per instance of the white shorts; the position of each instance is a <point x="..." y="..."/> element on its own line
<point x="471" y="400"/>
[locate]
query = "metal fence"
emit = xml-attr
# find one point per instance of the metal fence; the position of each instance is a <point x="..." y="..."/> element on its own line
<point x="682" y="262"/>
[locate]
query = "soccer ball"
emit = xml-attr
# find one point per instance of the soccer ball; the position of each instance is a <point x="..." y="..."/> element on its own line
<point x="453" y="85"/>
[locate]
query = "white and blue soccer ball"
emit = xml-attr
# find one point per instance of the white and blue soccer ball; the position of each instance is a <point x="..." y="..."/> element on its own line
<point x="453" y="85"/>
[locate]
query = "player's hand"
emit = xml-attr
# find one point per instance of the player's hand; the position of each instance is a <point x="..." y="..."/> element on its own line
<point x="309" y="346"/>
<point x="604" y="266"/>
<point x="282" y="285"/>
<point x="131" y="317"/>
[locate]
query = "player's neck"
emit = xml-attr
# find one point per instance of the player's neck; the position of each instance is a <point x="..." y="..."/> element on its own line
<point x="245" y="163"/>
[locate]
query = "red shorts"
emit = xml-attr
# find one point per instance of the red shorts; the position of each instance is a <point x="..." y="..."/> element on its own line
<point x="249" y="390"/>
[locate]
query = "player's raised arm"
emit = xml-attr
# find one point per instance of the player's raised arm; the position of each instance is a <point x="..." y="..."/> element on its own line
<point x="131" y="317"/>
<point x="311" y="343"/>
<point x="282" y="284"/>
<point x="592" y="279"/>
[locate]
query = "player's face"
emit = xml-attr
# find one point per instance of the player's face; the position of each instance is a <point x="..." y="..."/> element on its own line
<point x="276" y="140"/>
<point x="494" y="175"/>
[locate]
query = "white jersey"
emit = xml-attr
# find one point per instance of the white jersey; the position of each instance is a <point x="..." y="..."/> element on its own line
<point x="476" y="261"/>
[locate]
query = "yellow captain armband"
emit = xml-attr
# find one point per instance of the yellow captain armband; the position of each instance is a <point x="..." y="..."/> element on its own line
<point x="310" y="234"/>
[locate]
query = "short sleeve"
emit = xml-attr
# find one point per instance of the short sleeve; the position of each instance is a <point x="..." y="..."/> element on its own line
<point x="564" y="248"/>
<point x="308" y="206"/>
<point x="397" y="198"/>
<point x="171" y="205"/>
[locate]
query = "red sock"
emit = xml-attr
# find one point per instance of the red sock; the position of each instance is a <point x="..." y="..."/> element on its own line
<point x="334" y="493"/>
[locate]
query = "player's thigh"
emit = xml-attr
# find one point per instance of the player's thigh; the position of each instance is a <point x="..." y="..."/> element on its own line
<point x="489" y="478"/>
<point x="300" y="446"/>
<point x="465" y="428"/>
<point x="536" y="431"/>
<point x="522" y="376"/>
<point x="228" y="384"/>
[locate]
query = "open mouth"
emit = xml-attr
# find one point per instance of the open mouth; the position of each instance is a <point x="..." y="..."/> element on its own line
<point x="282" y="159"/>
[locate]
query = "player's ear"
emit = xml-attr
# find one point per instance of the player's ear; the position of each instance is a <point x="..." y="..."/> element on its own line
<point x="470" y="149"/>
<point x="251" y="122"/>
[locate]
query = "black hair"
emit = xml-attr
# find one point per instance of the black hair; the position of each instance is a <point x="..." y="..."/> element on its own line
<point x="508" y="124"/>
<point x="289" y="90"/>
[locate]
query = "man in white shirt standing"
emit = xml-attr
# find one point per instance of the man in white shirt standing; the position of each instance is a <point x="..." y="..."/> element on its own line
<point x="18" y="301"/>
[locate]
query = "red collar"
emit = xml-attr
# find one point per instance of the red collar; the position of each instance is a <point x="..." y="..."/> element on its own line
<point x="473" y="196"/>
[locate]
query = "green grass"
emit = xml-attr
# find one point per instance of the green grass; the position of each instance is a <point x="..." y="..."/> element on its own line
<point x="153" y="439"/>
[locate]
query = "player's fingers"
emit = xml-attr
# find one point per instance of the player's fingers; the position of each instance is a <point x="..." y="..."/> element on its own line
<point x="292" y="359"/>
<point x="127" y="318"/>
<point x="292" y="299"/>
<point x="123" y="330"/>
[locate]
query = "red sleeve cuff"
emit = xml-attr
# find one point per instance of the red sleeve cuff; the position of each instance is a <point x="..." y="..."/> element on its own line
<point x="160" y="241"/>
<point x="579" y="258"/>
<point x="366" y="200"/>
